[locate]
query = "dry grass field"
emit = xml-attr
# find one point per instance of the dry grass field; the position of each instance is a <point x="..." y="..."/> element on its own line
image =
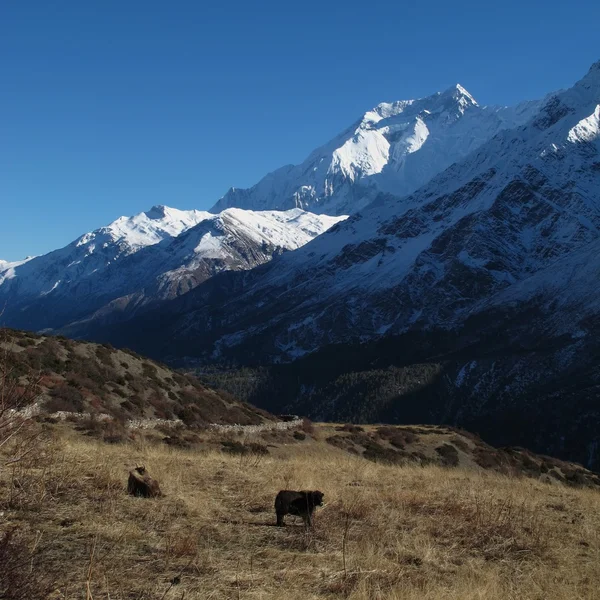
<point x="386" y="531"/>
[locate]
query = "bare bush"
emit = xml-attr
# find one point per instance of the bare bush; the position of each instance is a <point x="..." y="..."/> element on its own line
<point x="18" y="394"/>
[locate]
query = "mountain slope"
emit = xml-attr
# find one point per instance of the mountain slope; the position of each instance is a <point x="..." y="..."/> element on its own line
<point x="395" y="148"/>
<point x="144" y="260"/>
<point x="520" y="202"/>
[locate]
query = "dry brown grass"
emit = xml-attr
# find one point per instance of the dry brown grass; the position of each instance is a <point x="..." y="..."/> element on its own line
<point x="386" y="532"/>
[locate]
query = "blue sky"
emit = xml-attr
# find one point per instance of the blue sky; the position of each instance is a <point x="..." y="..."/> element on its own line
<point x="107" y="108"/>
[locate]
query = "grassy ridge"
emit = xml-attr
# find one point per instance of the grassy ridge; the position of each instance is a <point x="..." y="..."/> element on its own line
<point x="86" y="377"/>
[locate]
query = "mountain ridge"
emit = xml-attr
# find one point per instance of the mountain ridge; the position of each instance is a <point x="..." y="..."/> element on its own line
<point x="395" y="147"/>
<point x="150" y="257"/>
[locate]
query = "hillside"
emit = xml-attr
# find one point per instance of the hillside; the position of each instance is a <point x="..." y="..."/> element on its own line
<point x="451" y="378"/>
<point x="87" y="378"/>
<point x="395" y="531"/>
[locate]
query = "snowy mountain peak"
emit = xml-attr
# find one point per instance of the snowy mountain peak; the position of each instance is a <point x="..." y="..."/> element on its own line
<point x="93" y="251"/>
<point x="158" y="211"/>
<point x="461" y="96"/>
<point x="523" y="199"/>
<point x="591" y="80"/>
<point x="461" y="90"/>
<point x="394" y="148"/>
<point x="146" y="228"/>
<point x="595" y="67"/>
<point x="455" y="97"/>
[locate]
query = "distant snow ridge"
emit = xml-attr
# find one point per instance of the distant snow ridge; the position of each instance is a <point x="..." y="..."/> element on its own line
<point x="93" y="251"/>
<point x="7" y="268"/>
<point x="144" y="229"/>
<point x="394" y="148"/>
<point x="140" y="260"/>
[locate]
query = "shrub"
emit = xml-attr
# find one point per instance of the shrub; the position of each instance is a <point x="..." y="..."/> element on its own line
<point x="338" y="441"/>
<point x="114" y="432"/>
<point x="350" y="428"/>
<point x="398" y="437"/>
<point x="128" y="406"/>
<point x="377" y="453"/>
<point x="65" y="397"/>
<point x="176" y="440"/>
<point x="307" y="426"/>
<point x="119" y="392"/>
<point x="44" y="358"/>
<point x="161" y="405"/>
<point x="19" y="388"/>
<point x="460" y="444"/>
<point x="235" y="447"/>
<point x="104" y="356"/>
<point x="149" y="370"/>
<point x="449" y="455"/>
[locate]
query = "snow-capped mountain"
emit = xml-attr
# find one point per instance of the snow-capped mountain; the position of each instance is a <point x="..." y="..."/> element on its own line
<point x="486" y="274"/>
<point x="395" y="148"/>
<point x="7" y="267"/>
<point x="516" y="205"/>
<point x="140" y="260"/>
<point x="97" y="249"/>
<point x="485" y="277"/>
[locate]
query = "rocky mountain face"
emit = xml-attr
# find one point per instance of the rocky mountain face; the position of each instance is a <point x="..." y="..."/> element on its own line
<point x="487" y="272"/>
<point x="395" y="148"/>
<point x="140" y="261"/>
<point x="135" y="263"/>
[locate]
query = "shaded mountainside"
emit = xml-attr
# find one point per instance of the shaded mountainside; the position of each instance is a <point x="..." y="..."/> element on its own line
<point x="468" y="241"/>
<point x="523" y="396"/>
<point x="82" y="377"/>
<point x="451" y="447"/>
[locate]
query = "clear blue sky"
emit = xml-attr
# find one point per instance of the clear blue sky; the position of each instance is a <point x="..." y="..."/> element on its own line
<point x="107" y="108"/>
